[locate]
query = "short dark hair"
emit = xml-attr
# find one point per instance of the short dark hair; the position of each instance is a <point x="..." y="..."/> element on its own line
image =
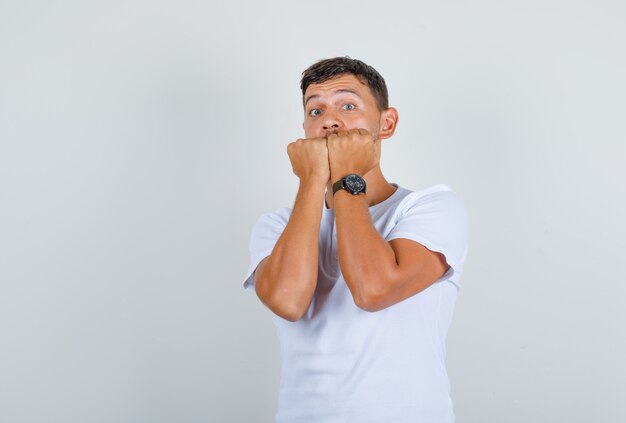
<point x="326" y="69"/>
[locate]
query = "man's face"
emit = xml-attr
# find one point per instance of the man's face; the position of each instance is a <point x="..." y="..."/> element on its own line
<point x="340" y="104"/>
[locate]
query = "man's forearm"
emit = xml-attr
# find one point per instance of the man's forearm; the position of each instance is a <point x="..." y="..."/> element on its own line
<point x="289" y="277"/>
<point x="366" y="259"/>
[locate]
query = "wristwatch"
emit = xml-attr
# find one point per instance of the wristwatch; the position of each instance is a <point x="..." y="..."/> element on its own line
<point x="352" y="183"/>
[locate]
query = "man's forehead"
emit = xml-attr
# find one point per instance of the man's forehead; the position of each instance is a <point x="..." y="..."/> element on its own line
<point x="346" y="83"/>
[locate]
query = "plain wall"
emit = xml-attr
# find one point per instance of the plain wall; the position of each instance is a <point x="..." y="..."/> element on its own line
<point x="140" y="141"/>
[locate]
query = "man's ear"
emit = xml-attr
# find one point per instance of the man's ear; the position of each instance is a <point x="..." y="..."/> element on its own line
<point x="388" y="123"/>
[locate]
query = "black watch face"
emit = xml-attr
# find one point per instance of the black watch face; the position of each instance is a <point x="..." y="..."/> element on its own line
<point x="355" y="183"/>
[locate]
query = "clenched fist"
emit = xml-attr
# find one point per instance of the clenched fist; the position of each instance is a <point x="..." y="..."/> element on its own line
<point x="309" y="159"/>
<point x="353" y="151"/>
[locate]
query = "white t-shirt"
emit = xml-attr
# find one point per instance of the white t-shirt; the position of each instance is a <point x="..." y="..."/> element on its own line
<point x="343" y="364"/>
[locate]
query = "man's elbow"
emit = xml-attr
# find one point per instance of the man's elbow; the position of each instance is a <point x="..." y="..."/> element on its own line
<point x="290" y="316"/>
<point x="280" y="303"/>
<point x="369" y="305"/>
<point x="370" y="297"/>
<point x="288" y="310"/>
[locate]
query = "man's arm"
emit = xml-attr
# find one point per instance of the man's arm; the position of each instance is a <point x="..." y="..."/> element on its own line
<point x="285" y="281"/>
<point x="380" y="273"/>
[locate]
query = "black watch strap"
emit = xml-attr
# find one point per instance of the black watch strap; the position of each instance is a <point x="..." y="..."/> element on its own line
<point x="338" y="185"/>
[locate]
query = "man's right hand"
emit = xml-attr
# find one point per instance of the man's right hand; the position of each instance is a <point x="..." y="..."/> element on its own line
<point x="309" y="159"/>
<point x="285" y="281"/>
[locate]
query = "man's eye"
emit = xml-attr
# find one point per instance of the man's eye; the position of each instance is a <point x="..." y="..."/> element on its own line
<point x="348" y="106"/>
<point x="315" y="112"/>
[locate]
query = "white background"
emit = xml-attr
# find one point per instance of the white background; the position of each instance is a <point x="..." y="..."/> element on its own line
<point x="140" y="141"/>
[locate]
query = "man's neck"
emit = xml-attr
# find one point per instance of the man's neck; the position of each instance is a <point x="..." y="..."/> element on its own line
<point x="378" y="189"/>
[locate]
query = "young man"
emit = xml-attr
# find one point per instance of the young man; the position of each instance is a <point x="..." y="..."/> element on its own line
<point x="362" y="274"/>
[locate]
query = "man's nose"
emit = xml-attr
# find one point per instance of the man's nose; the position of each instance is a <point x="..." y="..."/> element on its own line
<point x="332" y="124"/>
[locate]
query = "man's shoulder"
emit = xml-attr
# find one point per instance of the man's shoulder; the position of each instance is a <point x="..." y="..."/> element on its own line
<point x="438" y="194"/>
<point x="432" y="189"/>
<point x="277" y="218"/>
<point x="279" y="212"/>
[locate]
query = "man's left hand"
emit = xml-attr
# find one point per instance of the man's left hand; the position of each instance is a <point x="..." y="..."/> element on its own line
<point x="353" y="151"/>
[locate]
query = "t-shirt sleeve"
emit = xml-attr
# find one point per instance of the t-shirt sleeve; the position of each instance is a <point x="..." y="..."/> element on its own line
<point x="264" y="236"/>
<point x="438" y="221"/>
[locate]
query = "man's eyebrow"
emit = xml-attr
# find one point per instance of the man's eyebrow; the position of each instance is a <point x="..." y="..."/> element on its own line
<point x="340" y="91"/>
<point x="310" y="97"/>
